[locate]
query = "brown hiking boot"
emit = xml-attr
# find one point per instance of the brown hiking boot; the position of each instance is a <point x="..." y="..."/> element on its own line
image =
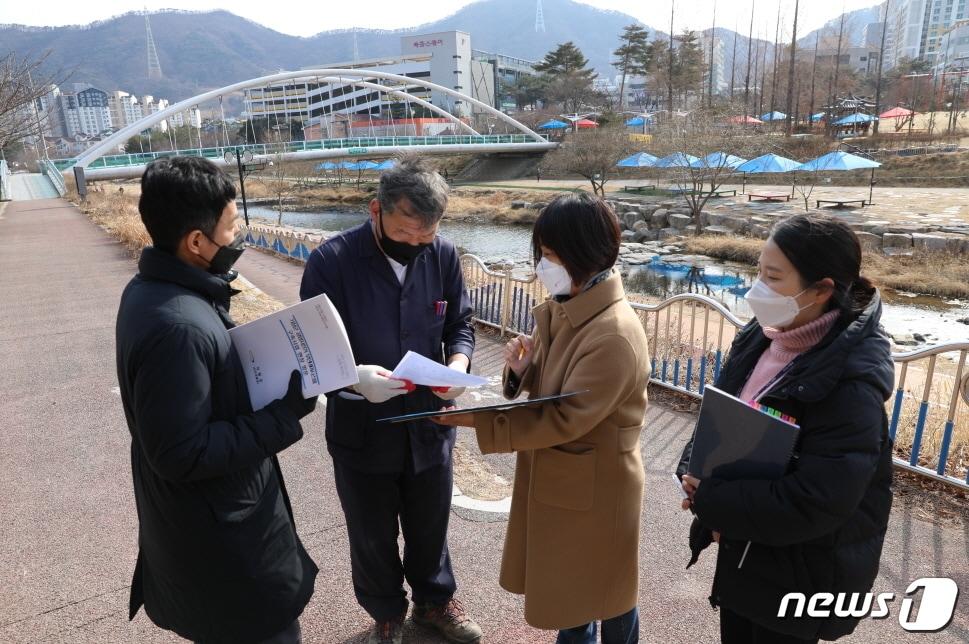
<point x="450" y="620"/>
<point x="390" y="631"/>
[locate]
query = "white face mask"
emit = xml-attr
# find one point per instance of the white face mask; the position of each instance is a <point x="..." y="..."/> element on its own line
<point x="556" y="279"/>
<point x="771" y="308"/>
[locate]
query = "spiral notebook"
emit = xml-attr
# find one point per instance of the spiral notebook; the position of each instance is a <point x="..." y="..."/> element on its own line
<point x="740" y="440"/>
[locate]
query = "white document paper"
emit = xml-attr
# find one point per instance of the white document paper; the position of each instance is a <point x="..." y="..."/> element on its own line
<point x="424" y="371"/>
<point x="309" y="337"/>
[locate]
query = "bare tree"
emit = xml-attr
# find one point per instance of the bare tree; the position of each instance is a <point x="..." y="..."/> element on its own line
<point x="790" y="72"/>
<point x="881" y="57"/>
<point x="591" y="154"/>
<point x="669" y="78"/>
<point x="708" y="137"/>
<point x="22" y="84"/>
<point x="837" y="70"/>
<point x="750" y="44"/>
<point x="806" y="182"/>
<point x="814" y="73"/>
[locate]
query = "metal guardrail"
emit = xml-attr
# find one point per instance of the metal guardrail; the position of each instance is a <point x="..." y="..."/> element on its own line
<point x="689" y="339"/>
<point x="53" y="173"/>
<point x="355" y="146"/>
<point x="4" y="181"/>
<point x="690" y="336"/>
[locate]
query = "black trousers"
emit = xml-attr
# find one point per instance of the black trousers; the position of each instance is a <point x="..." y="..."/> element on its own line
<point x="374" y="505"/>
<point x="735" y="629"/>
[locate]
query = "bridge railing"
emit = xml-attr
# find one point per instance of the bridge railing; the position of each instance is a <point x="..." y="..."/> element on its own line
<point x="4" y="181"/>
<point x="353" y="145"/>
<point x="51" y="171"/>
<point x="689" y="341"/>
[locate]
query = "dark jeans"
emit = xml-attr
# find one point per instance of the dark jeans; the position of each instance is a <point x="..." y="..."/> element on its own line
<point x="374" y="505"/>
<point x="289" y="635"/>
<point x="623" y="629"/>
<point x="735" y="629"/>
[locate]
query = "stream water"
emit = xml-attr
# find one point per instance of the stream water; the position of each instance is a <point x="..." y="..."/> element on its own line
<point x="934" y="319"/>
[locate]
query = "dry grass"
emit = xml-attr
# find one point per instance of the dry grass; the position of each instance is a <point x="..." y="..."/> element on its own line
<point x="941" y="274"/>
<point x="745" y="250"/>
<point x="118" y="214"/>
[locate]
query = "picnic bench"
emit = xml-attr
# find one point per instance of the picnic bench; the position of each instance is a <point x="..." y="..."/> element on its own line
<point x="638" y="188"/>
<point x="724" y="193"/>
<point x="841" y="203"/>
<point x="769" y="196"/>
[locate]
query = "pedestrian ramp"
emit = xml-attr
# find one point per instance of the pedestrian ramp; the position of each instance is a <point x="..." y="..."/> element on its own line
<point x="25" y="187"/>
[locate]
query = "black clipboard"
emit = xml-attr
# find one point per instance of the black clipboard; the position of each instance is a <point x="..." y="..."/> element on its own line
<point x="470" y="410"/>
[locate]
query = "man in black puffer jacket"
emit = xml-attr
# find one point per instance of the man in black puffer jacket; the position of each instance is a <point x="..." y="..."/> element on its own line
<point x="821" y="527"/>
<point x="219" y="559"/>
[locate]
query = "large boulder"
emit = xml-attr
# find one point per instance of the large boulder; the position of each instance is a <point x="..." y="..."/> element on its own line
<point x="716" y="218"/>
<point x="640" y="225"/>
<point x="958" y="244"/>
<point x="518" y="205"/>
<point x="631" y="217"/>
<point x="680" y="221"/>
<point x="716" y="230"/>
<point x="759" y="231"/>
<point x="869" y="241"/>
<point x="932" y="243"/>
<point x="737" y="225"/>
<point x="667" y="233"/>
<point x="645" y="234"/>
<point x="896" y="240"/>
<point x="659" y="218"/>
<point x="628" y="235"/>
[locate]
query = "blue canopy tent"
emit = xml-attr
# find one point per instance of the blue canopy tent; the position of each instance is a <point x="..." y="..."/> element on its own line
<point x="387" y="164"/>
<point x="718" y="160"/>
<point x="773" y="116"/>
<point x="814" y="118"/>
<point x="855" y="119"/>
<point x="841" y="161"/>
<point x="638" y="120"/>
<point x="638" y="160"/>
<point x="327" y="165"/>
<point x="767" y="163"/>
<point x="676" y="160"/>
<point x="553" y="125"/>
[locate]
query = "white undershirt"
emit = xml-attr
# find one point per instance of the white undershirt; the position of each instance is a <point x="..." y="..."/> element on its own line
<point x="400" y="270"/>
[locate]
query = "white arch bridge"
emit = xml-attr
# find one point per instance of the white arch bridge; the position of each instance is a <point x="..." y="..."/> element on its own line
<point x="517" y="138"/>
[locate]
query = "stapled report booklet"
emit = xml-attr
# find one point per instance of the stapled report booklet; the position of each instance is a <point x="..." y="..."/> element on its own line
<point x="309" y="337"/>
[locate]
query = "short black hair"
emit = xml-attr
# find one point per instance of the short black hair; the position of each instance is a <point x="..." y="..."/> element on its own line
<point x="582" y="230"/>
<point x="182" y="194"/>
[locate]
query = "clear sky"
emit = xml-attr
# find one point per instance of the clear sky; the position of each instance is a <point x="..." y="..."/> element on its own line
<point x="305" y="18"/>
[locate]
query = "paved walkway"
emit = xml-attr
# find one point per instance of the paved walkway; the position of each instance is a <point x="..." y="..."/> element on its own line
<point x="25" y="187"/>
<point x="68" y="534"/>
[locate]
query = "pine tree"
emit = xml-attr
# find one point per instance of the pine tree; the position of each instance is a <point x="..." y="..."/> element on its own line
<point x="688" y="65"/>
<point x="632" y="56"/>
<point x="567" y="74"/>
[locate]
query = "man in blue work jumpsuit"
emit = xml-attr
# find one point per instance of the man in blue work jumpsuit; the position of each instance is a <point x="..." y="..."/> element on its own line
<point x="399" y="288"/>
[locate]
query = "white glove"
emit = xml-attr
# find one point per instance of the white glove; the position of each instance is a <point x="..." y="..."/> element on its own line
<point x="377" y="386"/>
<point x="450" y="393"/>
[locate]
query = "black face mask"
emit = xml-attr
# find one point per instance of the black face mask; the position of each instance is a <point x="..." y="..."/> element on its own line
<point x="400" y="252"/>
<point x="227" y="255"/>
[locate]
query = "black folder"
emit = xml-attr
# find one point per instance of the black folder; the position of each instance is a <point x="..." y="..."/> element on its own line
<point x="734" y="440"/>
<point x="470" y="410"/>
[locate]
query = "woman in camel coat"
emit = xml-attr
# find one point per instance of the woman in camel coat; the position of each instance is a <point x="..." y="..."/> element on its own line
<point x="572" y="546"/>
